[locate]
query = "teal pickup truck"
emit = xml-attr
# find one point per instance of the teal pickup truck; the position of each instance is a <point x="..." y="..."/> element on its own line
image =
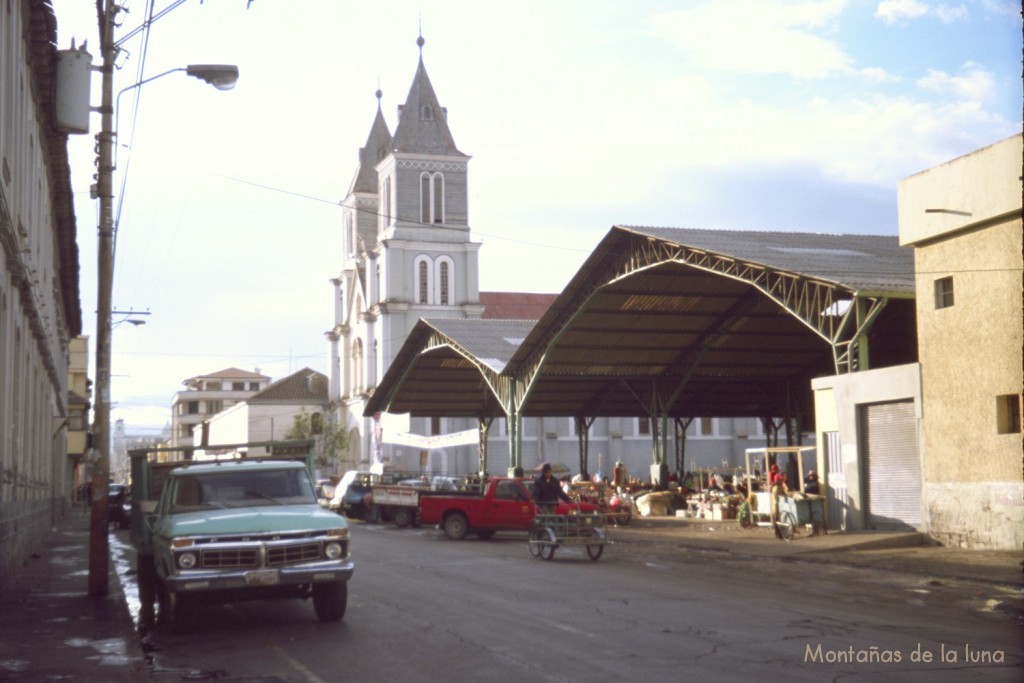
<point x="234" y="522"/>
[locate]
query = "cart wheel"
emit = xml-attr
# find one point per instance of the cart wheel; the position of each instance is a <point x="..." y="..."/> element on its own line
<point x="788" y="526"/>
<point x="536" y="536"/>
<point x="548" y="543"/>
<point x="595" y="550"/>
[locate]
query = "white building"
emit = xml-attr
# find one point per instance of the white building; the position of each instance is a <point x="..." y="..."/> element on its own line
<point x="40" y="310"/>
<point x="206" y="395"/>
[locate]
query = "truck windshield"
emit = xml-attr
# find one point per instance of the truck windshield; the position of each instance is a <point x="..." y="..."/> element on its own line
<point x="242" y="489"/>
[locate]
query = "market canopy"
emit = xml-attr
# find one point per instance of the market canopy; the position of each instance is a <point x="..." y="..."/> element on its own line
<point x="674" y="322"/>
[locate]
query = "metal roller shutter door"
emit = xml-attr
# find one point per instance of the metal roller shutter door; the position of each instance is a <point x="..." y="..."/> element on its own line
<point x="894" y="468"/>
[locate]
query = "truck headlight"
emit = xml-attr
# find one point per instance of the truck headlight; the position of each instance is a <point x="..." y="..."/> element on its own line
<point x="332" y="551"/>
<point x="187" y="560"/>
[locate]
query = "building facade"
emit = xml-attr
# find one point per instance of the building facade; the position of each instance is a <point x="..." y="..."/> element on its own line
<point x="963" y="220"/>
<point x="408" y="254"/>
<point x="206" y="395"/>
<point x="39" y="299"/>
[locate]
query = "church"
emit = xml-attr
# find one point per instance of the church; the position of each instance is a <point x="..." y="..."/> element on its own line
<point x="408" y="254"/>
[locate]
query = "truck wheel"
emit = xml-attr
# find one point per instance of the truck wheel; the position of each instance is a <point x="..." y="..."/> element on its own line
<point x="175" y="614"/>
<point x="456" y="526"/>
<point x="330" y="600"/>
<point x="403" y="517"/>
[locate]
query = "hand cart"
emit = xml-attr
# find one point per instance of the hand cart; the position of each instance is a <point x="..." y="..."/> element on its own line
<point x="548" y="532"/>
<point x="797" y="513"/>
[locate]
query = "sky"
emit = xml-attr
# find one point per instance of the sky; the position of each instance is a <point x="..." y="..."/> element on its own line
<point x="578" y="115"/>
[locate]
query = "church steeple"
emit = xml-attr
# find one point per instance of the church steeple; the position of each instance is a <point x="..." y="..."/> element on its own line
<point x="378" y="146"/>
<point x="423" y="122"/>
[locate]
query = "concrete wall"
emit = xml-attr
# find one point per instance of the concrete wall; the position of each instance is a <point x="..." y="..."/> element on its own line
<point x="963" y="219"/>
<point x="837" y="406"/>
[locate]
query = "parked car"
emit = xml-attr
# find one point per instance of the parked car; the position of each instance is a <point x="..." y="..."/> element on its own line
<point x="119" y="510"/>
<point x="324" y="492"/>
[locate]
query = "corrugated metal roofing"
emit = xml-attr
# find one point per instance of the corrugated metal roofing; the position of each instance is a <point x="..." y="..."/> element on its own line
<point x="861" y="263"/>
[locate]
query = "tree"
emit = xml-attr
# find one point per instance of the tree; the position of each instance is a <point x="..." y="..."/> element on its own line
<point x="330" y="442"/>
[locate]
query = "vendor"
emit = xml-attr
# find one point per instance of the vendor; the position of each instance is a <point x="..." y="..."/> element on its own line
<point x="779" y="490"/>
<point x="811" y="483"/>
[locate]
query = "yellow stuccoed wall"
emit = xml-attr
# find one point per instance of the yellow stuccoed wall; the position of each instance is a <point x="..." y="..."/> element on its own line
<point x="963" y="220"/>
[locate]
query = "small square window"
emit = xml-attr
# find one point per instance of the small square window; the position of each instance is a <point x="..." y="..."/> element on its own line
<point x="944" y="292"/>
<point x="1008" y="413"/>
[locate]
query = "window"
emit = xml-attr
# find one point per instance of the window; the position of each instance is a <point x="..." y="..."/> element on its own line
<point x="238" y="386"/>
<point x="444" y="296"/>
<point x="431" y="198"/>
<point x="213" y="386"/>
<point x="944" y="292"/>
<point x="1008" y="414"/>
<point x="214" y="407"/>
<point x="316" y="423"/>
<point x="426" y="113"/>
<point x="385" y="199"/>
<point x="643" y="426"/>
<point x="506" y="490"/>
<point x="254" y="386"/>
<point x="423" y="282"/>
<point x="193" y="407"/>
<point x="435" y="426"/>
<point x="707" y="426"/>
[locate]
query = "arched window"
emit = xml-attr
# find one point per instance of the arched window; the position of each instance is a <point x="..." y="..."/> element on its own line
<point x="426" y="113"/>
<point x="437" y="210"/>
<point x="443" y="281"/>
<point x="385" y="200"/>
<point x="358" y="367"/>
<point x="424" y="279"/>
<point x="431" y="198"/>
<point x="350" y="236"/>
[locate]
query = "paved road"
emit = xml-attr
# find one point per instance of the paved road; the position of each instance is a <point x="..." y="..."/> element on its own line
<point x="425" y="608"/>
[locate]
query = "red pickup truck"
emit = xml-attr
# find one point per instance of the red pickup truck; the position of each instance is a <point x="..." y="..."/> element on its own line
<point x="504" y="505"/>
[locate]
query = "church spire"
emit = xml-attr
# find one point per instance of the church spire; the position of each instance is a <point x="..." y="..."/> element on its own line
<point x="423" y="122"/>
<point x="378" y="146"/>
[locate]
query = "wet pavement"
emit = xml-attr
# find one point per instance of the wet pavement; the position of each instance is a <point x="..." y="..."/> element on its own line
<point x="52" y="630"/>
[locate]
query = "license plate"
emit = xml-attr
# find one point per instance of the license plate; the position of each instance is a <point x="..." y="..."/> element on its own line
<point x="262" y="577"/>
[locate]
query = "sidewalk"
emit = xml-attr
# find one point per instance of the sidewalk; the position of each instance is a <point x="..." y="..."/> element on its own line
<point x="899" y="551"/>
<point x="53" y="630"/>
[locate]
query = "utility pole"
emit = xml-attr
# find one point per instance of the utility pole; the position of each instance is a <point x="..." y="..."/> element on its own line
<point x="99" y="546"/>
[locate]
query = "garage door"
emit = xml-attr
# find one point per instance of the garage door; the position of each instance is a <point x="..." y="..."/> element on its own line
<point x="893" y="466"/>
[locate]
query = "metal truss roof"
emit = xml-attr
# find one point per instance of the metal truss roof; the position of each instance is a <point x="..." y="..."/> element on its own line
<point x="676" y="322"/>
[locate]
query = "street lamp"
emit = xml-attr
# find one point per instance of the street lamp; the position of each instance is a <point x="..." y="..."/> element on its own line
<point x="222" y="77"/>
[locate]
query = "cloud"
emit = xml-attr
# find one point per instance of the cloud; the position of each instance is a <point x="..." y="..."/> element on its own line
<point x="757" y="36"/>
<point x="901" y="11"/>
<point x="975" y="83"/>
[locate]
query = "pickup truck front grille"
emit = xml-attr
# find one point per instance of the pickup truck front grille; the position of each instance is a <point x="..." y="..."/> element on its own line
<point x="231" y="558"/>
<point x="293" y="554"/>
<point x="254" y="556"/>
